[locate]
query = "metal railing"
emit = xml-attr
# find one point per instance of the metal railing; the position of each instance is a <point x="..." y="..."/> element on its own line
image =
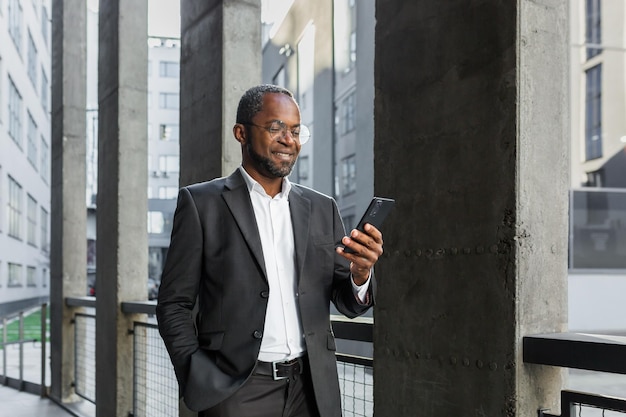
<point x="14" y="340"/>
<point x="580" y="351"/>
<point x="583" y="404"/>
<point x="85" y="356"/>
<point x="155" y="389"/>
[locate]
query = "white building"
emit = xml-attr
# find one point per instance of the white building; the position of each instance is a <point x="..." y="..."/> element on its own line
<point x="25" y="74"/>
<point x="598" y="169"/>
<point x="163" y="146"/>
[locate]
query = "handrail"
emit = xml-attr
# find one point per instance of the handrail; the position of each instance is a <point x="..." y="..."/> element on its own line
<point x="569" y="398"/>
<point x="80" y="301"/>
<point x="139" y="307"/>
<point x="593" y="352"/>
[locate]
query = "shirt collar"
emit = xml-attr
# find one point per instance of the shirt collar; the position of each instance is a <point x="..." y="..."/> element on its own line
<point x="253" y="185"/>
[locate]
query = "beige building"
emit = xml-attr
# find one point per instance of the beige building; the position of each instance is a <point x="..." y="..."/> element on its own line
<point x="598" y="93"/>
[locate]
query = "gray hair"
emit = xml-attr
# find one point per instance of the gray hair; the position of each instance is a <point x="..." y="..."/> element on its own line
<point x="252" y="101"/>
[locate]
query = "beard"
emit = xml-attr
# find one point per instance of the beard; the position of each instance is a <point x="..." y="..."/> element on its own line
<point x="276" y="170"/>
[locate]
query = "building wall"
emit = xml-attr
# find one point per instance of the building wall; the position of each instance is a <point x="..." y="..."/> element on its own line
<point x="26" y="20"/>
<point x="163" y="146"/>
<point x="163" y="120"/>
<point x="340" y="87"/>
<point x="592" y="300"/>
<point x="612" y="59"/>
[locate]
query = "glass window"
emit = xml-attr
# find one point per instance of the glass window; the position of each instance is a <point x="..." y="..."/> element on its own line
<point x="303" y="168"/>
<point x="31" y="221"/>
<point x="15" y="24"/>
<point x="168" y="132"/>
<point x="32" y="141"/>
<point x="45" y="276"/>
<point x="31" y="276"/>
<point x="14" y="208"/>
<point x="593" y="32"/>
<point x="598" y="229"/>
<point x="352" y="49"/>
<point x="168" y="164"/>
<point x="15" y="275"/>
<point x="43" y="237"/>
<point x="348" y="175"/>
<point x="15" y="114"/>
<point x="45" y="87"/>
<point x="155" y="222"/>
<point x="32" y="61"/>
<point x="45" y="23"/>
<point x="44" y="165"/>
<point x="593" y="113"/>
<point x="349" y="114"/>
<point x="1" y="83"/>
<point x="169" y="69"/>
<point x="168" y="192"/>
<point x="91" y="253"/>
<point x="168" y="101"/>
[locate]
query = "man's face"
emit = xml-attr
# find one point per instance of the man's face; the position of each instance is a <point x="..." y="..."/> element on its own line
<point x="273" y="158"/>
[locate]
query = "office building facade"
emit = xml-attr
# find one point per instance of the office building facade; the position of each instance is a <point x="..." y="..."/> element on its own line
<point x="25" y="157"/>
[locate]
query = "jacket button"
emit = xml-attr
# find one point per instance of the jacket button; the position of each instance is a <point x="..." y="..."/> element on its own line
<point x="265" y="294"/>
<point x="257" y="334"/>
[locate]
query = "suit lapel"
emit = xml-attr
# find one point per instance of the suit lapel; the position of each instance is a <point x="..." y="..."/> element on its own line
<point x="300" y="208"/>
<point x="237" y="198"/>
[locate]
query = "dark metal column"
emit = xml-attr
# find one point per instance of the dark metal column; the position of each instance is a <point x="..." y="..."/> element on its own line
<point x="122" y="248"/>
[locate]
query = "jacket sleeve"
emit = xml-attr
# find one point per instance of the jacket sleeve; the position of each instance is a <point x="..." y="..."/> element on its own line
<point x="179" y="286"/>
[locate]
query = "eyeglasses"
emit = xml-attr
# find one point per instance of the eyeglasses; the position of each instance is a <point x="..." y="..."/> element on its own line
<point x="278" y="130"/>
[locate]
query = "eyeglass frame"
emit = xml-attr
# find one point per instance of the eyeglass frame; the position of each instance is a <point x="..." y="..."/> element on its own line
<point x="283" y="131"/>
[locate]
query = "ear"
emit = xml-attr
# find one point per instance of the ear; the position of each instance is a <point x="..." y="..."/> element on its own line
<point x="239" y="131"/>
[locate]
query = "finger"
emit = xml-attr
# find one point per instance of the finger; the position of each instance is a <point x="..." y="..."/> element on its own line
<point x="372" y="231"/>
<point x="366" y="243"/>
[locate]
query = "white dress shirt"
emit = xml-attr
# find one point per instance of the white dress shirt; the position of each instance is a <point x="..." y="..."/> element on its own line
<point x="283" y="337"/>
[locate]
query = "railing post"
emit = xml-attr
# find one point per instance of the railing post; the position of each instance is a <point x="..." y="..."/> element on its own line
<point x="4" y="350"/>
<point x="44" y="332"/>
<point x="21" y="347"/>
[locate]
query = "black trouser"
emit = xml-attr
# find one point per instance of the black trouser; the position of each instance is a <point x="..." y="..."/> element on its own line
<point x="264" y="396"/>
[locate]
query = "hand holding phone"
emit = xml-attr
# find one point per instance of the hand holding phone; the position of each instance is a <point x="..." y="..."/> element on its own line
<point x="375" y="214"/>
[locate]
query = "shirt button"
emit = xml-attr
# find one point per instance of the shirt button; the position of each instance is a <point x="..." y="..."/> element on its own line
<point x="257" y="334"/>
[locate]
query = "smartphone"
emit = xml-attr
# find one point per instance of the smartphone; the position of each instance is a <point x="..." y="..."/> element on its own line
<point x="375" y="214"/>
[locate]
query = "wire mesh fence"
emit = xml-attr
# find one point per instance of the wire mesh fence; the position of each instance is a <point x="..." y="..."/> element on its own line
<point x="85" y="356"/>
<point x="582" y="410"/>
<point x="155" y="387"/>
<point x="584" y="404"/>
<point x="357" y="389"/>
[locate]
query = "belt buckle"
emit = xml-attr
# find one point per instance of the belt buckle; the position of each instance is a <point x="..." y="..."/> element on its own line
<point x="275" y="371"/>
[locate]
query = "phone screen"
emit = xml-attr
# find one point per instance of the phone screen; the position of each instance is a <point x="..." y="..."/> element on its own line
<point x="375" y="214"/>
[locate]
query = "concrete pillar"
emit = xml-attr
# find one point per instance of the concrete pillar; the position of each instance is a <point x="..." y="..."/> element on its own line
<point x="220" y="59"/>
<point x="68" y="251"/>
<point x="471" y="139"/>
<point x="122" y="248"/>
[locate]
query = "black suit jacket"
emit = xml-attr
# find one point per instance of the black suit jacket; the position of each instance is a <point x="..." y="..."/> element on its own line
<point x="216" y="258"/>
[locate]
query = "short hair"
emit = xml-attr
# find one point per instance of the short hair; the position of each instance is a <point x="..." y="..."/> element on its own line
<point x="252" y="101"/>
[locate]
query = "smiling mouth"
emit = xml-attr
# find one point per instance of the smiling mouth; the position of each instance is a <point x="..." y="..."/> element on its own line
<point x="282" y="155"/>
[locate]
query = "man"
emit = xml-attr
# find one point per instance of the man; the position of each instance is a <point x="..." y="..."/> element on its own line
<point x="261" y="257"/>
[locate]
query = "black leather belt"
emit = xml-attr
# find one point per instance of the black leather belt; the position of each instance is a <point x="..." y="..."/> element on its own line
<point x="281" y="370"/>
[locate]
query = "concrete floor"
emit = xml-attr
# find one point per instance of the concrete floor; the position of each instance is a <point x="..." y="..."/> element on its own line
<point x="22" y="404"/>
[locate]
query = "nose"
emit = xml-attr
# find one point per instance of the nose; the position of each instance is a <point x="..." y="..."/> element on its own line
<point x="286" y="137"/>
